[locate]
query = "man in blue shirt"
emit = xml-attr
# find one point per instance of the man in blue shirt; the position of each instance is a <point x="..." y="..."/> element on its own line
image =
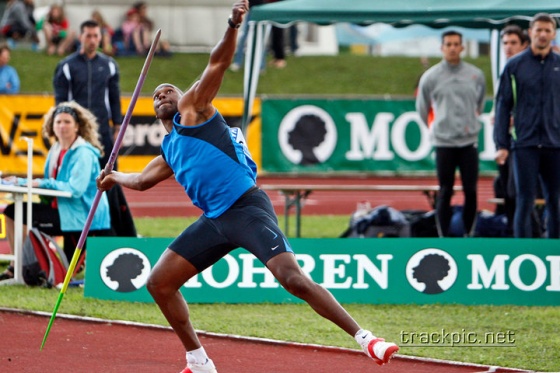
<point x="530" y="94"/>
<point x="9" y="79"/>
<point x="211" y="161"/>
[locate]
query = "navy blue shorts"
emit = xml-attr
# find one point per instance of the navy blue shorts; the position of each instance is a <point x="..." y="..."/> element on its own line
<point x="250" y="223"/>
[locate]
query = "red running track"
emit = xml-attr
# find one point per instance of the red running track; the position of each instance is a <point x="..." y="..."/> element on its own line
<point x="169" y="199"/>
<point x="100" y="346"/>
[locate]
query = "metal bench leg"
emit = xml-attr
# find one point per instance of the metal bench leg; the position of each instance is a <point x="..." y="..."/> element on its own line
<point x="287" y="205"/>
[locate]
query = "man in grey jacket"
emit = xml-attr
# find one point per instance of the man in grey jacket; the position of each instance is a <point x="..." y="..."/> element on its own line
<point x="454" y="91"/>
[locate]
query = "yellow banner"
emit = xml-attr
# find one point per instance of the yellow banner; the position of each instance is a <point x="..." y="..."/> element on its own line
<point x="2" y="226"/>
<point x="22" y="116"/>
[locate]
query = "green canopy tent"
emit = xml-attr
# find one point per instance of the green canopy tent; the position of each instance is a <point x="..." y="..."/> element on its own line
<point x="487" y="14"/>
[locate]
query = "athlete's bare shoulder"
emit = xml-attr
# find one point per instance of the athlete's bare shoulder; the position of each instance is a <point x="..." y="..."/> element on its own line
<point x="192" y="111"/>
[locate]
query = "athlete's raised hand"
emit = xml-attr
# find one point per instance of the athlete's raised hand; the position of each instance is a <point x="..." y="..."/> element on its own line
<point x="239" y="10"/>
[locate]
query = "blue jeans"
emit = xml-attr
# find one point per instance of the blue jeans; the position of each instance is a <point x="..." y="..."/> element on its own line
<point x="528" y="165"/>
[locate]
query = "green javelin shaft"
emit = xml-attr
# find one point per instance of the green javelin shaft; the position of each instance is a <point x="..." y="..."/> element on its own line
<point x="108" y="168"/>
<point x="63" y="290"/>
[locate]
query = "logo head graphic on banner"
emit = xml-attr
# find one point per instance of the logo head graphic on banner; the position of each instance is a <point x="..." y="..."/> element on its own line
<point x="431" y="271"/>
<point x="307" y="135"/>
<point x="125" y="270"/>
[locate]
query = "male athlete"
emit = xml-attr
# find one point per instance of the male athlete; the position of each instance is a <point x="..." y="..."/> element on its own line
<point x="211" y="161"/>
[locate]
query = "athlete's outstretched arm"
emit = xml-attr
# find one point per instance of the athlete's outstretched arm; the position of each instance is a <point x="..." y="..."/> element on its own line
<point x="157" y="170"/>
<point x="200" y="96"/>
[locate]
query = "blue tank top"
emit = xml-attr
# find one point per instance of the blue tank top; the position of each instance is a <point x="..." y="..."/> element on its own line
<point x="211" y="161"/>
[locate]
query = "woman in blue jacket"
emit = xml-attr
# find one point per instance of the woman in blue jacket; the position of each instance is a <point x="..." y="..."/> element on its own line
<point x="72" y="165"/>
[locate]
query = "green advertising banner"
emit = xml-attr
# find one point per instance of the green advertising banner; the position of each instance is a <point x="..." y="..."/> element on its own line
<point x="353" y="135"/>
<point x="356" y="270"/>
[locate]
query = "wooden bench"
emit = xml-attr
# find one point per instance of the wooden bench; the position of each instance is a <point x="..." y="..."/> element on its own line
<point x="294" y="195"/>
<point x="500" y="201"/>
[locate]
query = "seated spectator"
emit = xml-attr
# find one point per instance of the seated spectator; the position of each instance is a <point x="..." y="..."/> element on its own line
<point x="142" y="9"/>
<point x="163" y="48"/>
<point x="18" y="23"/>
<point x="132" y="38"/>
<point x="72" y="165"/>
<point x="107" y="33"/>
<point x="9" y="79"/>
<point x="58" y="36"/>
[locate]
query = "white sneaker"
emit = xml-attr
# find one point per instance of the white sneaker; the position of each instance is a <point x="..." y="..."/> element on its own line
<point x="379" y="350"/>
<point x="207" y="367"/>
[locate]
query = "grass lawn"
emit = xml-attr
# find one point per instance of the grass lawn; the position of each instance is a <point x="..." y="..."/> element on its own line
<point x="345" y="74"/>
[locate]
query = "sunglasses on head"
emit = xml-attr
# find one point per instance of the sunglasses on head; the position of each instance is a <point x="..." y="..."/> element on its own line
<point x="67" y="110"/>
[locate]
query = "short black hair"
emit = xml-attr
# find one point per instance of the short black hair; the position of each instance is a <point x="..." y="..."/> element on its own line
<point x="451" y="33"/>
<point x="170" y="85"/>
<point x="90" y="23"/>
<point x="543" y="17"/>
<point x="515" y="30"/>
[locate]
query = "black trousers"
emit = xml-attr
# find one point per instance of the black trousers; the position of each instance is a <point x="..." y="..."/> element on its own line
<point x="448" y="160"/>
<point x="277" y="43"/>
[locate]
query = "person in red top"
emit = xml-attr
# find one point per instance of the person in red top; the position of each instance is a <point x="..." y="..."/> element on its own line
<point x="58" y="36"/>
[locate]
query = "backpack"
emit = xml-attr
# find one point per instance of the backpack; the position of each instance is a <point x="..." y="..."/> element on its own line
<point x="43" y="262"/>
<point x="381" y="221"/>
<point x="487" y="224"/>
<point x="422" y="223"/>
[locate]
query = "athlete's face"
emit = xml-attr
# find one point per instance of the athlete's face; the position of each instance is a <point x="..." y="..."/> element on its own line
<point x="165" y="98"/>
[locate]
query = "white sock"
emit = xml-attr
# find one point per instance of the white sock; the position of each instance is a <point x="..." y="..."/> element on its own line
<point x="363" y="336"/>
<point x="197" y="356"/>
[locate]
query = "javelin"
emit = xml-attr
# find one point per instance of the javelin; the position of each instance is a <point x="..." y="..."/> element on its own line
<point x="108" y="169"/>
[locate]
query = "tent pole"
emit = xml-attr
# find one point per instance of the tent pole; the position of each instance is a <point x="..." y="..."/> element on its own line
<point x="256" y="38"/>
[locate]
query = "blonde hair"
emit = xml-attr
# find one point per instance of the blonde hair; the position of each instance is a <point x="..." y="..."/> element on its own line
<point x="98" y="17"/>
<point x="87" y="123"/>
